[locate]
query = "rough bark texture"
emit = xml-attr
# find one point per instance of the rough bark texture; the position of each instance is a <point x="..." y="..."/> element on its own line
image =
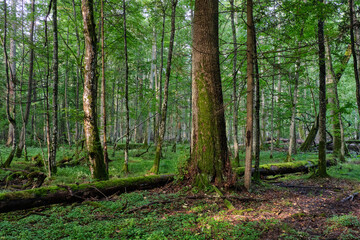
<point x="250" y="89"/>
<point x="96" y="158"/>
<point x="162" y="125"/>
<point x="77" y="193"/>
<point x="209" y="154"/>
<point x="322" y="98"/>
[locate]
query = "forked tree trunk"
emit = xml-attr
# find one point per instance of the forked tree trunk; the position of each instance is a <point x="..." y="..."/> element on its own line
<point x="95" y="152"/>
<point x="209" y="162"/>
<point x="162" y="127"/>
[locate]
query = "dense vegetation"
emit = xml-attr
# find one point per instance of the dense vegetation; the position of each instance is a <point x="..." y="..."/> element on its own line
<point x="212" y="91"/>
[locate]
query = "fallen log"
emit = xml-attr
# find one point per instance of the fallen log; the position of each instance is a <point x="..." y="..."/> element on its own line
<point x="285" y="168"/>
<point x="42" y="196"/>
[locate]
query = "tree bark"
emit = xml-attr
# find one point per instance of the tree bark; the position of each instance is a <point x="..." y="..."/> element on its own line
<point x="235" y="97"/>
<point x="209" y="162"/>
<point x="77" y="193"/>
<point x="162" y="126"/>
<point x="53" y="147"/>
<point x="354" y="30"/>
<point x="126" y="161"/>
<point x="250" y="93"/>
<point x="95" y="152"/>
<point x="103" y="89"/>
<point x="322" y="98"/>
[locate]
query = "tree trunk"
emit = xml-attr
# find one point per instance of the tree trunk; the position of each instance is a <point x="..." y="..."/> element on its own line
<point x="10" y="116"/>
<point x="77" y="193"/>
<point x="250" y="93"/>
<point x="292" y="142"/>
<point x="103" y="89"/>
<point x="354" y="31"/>
<point x="53" y="147"/>
<point x="322" y="98"/>
<point x="235" y="97"/>
<point x="30" y="83"/>
<point x="162" y="127"/>
<point x="152" y="85"/>
<point x="96" y="157"/>
<point x="209" y="162"/>
<point x="12" y="84"/>
<point x="78" y="75"/>
<point x="126" y="161"/>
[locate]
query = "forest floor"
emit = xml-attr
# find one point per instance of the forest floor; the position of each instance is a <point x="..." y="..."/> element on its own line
<point x="302" y="208"/>
<point x="293" y="206"/>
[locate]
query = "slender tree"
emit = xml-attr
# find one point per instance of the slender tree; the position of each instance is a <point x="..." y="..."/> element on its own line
<point x="322" y="97"/>
<point x="103" y="87"/>
<point x="126" y="162"/>
<point x="55" y="70"/>
<point x="250" y="93"/>
<point x="162" y="126"/>
<point x="95" y="152"/>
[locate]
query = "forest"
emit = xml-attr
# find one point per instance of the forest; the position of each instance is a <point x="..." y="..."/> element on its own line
<point x="179" y="119"/>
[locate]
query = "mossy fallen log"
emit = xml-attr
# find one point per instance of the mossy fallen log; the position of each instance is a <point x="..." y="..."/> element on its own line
<point x="42" y="196"/>
<point x="285" y="168"/>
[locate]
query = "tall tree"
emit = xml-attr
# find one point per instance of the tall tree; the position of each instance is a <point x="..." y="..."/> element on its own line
<point x="126" y="162"/>
<point x="162" y="125"/>
<point x="103" y="87"/>
<point x="250" y="93"/>
<point x="354" y="33"/>
<point x="95" y="152"/>
<point x="210" y="162"/>
<point x="55" y="71"/>
<point x="26" y="115"/>
<point x="10" y="116"/>
<point x="12" y="68"/>
<point x="322" y="96"/>
<point x="234" y="76"/>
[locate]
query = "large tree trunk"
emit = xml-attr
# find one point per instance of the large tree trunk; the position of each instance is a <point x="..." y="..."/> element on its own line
<point x="162" y="126"/>
<point x="250" y="93"/>
<point x="96" y="157"/>
<point x="30" y="83"/>
<point x="322" y="98"/>
<point x="210" y="162"/>
<point x="53" y="147"/>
